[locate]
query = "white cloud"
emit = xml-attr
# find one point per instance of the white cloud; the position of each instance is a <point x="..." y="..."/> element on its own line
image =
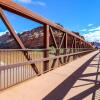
<point x="94" y="29"/>
<point x="1" y="33"/>
<point x="37" y="3"/>
<point x="24" y="1"/>
<point x="93" y="36"/>
<point x="90" y="25"/>
<point x="83" y="30"/>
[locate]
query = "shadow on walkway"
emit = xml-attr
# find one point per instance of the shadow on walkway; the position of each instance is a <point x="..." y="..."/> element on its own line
<point x="60" y="91"/>
<point x="86" y="93"/>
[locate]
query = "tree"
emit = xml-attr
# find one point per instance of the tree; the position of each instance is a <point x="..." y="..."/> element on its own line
<point x="60" y="24"/>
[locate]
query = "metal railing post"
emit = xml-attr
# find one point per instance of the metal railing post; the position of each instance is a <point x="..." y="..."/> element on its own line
<point x="46" y="46"/>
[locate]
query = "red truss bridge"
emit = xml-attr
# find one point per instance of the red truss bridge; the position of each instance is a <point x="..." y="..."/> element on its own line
<point x="64" y="64"/>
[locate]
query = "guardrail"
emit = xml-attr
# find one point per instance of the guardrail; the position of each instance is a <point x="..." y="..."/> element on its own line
<point x="16" y="68"/>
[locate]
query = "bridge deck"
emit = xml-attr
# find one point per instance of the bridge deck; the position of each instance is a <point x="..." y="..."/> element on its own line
<point x="77" y="79"/>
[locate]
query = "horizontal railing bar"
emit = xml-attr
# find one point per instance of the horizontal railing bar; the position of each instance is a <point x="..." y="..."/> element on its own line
<point x="39" y="60"/>
<point x="39" y="49"/>
<point x="23" y="49"/>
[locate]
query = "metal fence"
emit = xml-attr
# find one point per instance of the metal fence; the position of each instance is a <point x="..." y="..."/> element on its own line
<point x="16" y="68"/>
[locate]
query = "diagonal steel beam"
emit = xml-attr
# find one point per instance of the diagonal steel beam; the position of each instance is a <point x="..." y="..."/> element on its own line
<point x="51" y="31"/>
<point x="17" y="39"/>
<point x="10" y="28"/>
<point x="62" y="40"/>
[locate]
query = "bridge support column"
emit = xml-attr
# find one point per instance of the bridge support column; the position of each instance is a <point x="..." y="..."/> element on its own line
<point x="65" y="46"/>
<point x="46" y="46"/>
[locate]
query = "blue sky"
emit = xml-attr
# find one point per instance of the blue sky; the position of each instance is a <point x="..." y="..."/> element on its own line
<point x="76" y="15"/>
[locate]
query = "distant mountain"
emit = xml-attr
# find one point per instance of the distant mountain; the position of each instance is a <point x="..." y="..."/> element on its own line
<point x="32" y="39"/>
<point x="96" y="44"/>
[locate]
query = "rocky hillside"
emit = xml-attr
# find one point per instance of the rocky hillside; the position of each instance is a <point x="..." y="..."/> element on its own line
<point x="31" y="39"/>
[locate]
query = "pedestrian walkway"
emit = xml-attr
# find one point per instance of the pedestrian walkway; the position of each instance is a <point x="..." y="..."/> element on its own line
<point x="87" y="86"/>
<point x="79" y="79"/>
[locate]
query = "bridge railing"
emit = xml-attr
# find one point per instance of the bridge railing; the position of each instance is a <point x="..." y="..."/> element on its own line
<point x="13" y="56"/>
<point x="15" y="68"/>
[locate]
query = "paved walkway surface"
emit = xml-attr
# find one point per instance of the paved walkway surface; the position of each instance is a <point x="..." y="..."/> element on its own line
<point x="77" y="80"/>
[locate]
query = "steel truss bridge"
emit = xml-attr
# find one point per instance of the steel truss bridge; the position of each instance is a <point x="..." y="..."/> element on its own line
<point x="22" y="64"/>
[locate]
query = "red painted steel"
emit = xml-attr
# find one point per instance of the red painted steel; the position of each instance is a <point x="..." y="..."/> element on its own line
<point x="18" y="9"/>
<point x="71" y="44"/>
